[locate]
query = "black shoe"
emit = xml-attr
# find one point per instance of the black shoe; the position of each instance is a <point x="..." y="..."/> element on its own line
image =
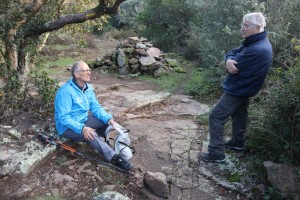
<point x="121" y="162"/>
<point x="233" y="144"/>
<point x="212" y="158"/>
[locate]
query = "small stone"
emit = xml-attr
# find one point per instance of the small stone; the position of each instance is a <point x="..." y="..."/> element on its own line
<point x="48" y="194"/>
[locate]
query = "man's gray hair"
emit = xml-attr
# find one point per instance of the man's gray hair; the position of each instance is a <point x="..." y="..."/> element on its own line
<point x="256" y="19"/>
<point x="75" y="67"/>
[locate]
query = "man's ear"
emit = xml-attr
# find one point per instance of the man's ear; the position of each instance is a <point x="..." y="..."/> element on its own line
<point x="258" y="28"/>
<point x="76" y="74"/>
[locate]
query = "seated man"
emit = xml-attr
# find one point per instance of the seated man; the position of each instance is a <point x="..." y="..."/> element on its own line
<point x="80" y="117"/>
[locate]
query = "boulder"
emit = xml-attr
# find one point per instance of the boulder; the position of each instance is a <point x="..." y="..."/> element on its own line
<point x="284" y="177"/>
<point x="147" y="60"/>
<point x="111" y="195"/>
<point x="153" y="52"/>
<point x="157" y="183"/>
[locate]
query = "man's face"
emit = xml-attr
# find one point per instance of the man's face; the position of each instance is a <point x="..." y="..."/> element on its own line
<point x="248" y="29"/>
<point x="83" y="74"/>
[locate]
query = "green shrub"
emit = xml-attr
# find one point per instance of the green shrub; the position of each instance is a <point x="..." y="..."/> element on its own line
<point x="12" y="90"/>
<point x="206" y="84"/>
<point x="283" y="25"/>
<point x="275" y="131"/>
<point x="46" y="88"/>
<point x="165" y="22"/>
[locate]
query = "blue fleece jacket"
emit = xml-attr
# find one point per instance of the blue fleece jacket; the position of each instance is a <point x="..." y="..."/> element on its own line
<point x="253" y="59"/>
<point x="71" y="107"/>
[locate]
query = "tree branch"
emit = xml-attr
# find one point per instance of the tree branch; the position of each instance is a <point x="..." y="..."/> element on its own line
<point x="94" y="13"/>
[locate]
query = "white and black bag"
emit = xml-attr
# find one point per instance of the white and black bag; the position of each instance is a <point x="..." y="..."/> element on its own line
<point x="121" y="141"/>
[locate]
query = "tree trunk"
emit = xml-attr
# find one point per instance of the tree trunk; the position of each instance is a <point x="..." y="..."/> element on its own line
<point x="11" y="57"/>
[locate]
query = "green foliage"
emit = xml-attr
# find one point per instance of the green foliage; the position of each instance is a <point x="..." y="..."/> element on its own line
<point x="164" y="22"/>
<point x="172" y="62"/>
<point x="206" y="84"/>
<point x="168" y="82"/>
<point x="46" y="88"/>
<point x="283" y="25"/>
<point x="234" y="177"/>
<point x="173" y="82"/>
<point x="203" y="119"/>
<point x="179" y="70"/>
<point x="16" y="95"/>
<point x="275" y="132"/>
<point x="62" y="62"/>
<point x="12" y="91"/>
<point x="194" y="84"/>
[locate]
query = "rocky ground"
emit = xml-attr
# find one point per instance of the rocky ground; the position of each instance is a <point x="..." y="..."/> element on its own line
<point x="163" y="131"/>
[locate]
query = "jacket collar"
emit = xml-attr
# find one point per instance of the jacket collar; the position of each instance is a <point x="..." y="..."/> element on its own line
<point x="83" y="89"/>
<point x="254" y="38"/>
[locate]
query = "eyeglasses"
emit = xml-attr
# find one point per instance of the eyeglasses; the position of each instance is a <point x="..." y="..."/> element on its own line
<point x="83" y="70"/>
<point x="246" y="26"/>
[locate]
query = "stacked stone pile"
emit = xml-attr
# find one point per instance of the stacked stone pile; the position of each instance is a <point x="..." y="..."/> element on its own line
<point x="134" y="56"/>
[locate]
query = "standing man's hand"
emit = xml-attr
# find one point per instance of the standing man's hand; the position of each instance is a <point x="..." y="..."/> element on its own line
<point x="230" y="66"/>
<point x="88" y="133"/>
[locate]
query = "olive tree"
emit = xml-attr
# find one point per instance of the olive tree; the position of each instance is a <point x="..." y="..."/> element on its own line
<point x="23" y="22"/>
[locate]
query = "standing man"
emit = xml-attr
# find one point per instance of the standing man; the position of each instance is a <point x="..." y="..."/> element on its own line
<point x="247" y="68"/>
<point x="80" y="117"/>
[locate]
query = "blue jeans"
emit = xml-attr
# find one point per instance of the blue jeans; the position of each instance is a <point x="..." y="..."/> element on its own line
<point x="97" y="143"/>
<point x="227" y="106"/>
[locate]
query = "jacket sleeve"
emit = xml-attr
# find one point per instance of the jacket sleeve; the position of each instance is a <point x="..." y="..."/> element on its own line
<point x="97" y="109"/>
<point x="63" y="108"/>
<point x="248" y="61"/>
<point x="233" y="53"/>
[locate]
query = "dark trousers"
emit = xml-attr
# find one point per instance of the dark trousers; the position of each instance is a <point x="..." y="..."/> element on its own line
<point x="227" y="106"/>
<point x="97" y="143"/>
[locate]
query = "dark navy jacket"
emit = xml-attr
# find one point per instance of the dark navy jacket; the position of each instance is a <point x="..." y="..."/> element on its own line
<point x="253" y="59"/>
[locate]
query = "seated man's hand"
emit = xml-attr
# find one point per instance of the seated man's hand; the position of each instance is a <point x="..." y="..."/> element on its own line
<point x="88" y="133"/>
<point x="230" y="66"/>
<point x="113" y="123"/>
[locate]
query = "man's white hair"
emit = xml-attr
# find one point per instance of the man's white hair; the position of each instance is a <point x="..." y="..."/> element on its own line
<point x="76" y="67"/>
<point x="256" y="19"/>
